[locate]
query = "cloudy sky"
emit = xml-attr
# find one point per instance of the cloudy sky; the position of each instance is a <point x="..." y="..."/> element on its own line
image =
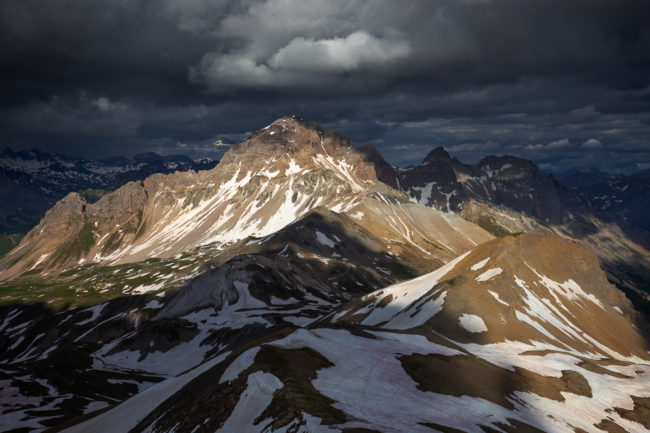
<point x="565" y="83"/>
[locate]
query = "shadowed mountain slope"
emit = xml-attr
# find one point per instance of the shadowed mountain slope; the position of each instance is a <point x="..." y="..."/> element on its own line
<point x="516" y="340"/>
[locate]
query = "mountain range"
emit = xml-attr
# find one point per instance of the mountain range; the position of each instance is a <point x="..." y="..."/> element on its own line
<point x="33" y="181"/>
<point x="305" y="285"/>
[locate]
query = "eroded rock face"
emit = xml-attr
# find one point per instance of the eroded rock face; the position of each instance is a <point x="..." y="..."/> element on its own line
<point x="445" y="183"/>
<point x="385" y="172"/>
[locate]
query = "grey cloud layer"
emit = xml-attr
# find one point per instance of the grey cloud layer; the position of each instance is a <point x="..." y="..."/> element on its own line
<point x="559" y="82"/>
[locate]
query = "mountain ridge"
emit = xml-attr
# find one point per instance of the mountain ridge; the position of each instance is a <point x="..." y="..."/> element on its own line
<point x="506" y="194"/>
<point x="33" y="181"/>
<point x="260" y="185"/>
<point x="541" y="372"/>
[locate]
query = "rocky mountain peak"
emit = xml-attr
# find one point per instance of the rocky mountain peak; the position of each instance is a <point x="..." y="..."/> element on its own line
<point x="436" y="154"/>
<point x="385" y="172"/>
<point x="279" y="174"/>
<point x="292" y="145"/>
<point x="292" y="134"/>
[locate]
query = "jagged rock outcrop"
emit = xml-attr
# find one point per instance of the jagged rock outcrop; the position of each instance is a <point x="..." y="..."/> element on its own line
<point x="384" y="171"/>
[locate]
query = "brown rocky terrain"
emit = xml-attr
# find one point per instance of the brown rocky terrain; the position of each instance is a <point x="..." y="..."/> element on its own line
<point x="520" y="334"/>
<point x="507" y="195"/>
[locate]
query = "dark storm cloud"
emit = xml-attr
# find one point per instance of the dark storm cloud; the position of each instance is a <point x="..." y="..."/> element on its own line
<point x="564" y="83"/>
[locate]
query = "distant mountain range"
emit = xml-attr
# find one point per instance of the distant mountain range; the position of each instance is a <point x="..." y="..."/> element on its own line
<point x="32" y="181"/>
<point x="620" y="198"/>
<point x="305" y="285"/>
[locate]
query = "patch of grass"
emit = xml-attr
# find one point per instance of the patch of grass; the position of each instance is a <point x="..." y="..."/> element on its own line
<point x="86" y="285"/>
<point x="141" y="280"/>
<point x="34" y="292"/>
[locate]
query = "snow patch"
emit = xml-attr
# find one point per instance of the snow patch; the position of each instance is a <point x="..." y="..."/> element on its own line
<point x="251" y="404"/>
<point x="409" y="306"/>
<point x="495" y="295"/>
<point x="323" y="239"/>
<point x="489" y="274"/>
<point x="129" y="413"/>
<point x="479" y="265"/>
<point x="146" y="288"/>
<point x="472" y="323"/>
<point x="96" y="311"/>
<point x="240" y="364"/>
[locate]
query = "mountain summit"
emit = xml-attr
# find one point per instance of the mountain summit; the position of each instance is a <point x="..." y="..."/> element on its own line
<point x="261" y="185"/>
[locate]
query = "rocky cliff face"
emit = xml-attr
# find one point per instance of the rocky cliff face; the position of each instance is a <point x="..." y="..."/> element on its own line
<point x="443" y="182"/>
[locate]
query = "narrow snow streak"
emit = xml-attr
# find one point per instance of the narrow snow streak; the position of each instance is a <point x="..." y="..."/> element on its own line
<point x="489" y="274"/>
<point x="479" y="265"/>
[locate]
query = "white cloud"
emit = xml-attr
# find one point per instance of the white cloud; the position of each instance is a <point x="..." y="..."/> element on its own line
<point x="269" y="25"/>
<point x="592" y="143"/>
<point x="220" y="72"/>
<point x="558" y="144"/>
<point x="103" y="103"/>
<point x="584" y="113"/>
<point x="302" y="62"/>
<point x="220" y="143"/>
<point x="336" y="55"/>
